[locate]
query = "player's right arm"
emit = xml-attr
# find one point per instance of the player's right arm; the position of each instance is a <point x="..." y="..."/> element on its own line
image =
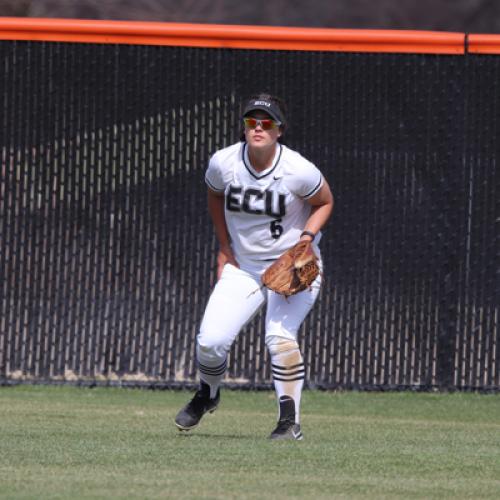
<point x="216" y="212"/>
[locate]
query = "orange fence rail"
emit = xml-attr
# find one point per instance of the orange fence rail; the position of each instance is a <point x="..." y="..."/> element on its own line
<point x="232" y="36"/>
<point x="484" y="44"/>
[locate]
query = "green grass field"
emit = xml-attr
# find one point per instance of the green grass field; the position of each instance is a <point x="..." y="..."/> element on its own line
<point x="68" y="443"/>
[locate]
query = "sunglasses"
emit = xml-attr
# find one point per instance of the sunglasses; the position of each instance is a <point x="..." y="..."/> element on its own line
<point x="265" y="124"/>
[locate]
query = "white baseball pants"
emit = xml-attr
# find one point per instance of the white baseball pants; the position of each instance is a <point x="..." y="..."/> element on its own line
<point x="236" y="298"/>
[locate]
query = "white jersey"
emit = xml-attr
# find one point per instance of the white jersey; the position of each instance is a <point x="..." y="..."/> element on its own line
<point x="265" y="211"/>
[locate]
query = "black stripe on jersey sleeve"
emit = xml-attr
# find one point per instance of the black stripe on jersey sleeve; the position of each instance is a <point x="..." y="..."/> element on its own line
<point x="315" y="190"/>
<point x="211" y="186"/>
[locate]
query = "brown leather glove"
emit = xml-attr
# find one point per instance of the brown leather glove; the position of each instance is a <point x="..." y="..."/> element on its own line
<point x="294" y="271"/>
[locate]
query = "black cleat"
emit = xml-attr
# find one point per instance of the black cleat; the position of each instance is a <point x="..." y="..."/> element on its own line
<point x="287" y="428"/>
<point x="189" y="417"/>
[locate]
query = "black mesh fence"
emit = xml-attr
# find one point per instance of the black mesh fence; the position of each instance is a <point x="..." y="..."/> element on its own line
<point x="107" y="252"/>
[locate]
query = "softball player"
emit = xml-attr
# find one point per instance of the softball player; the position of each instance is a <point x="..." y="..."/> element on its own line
<point x="262" y="198"/>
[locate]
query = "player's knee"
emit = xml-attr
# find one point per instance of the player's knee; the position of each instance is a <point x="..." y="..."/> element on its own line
<point x="209" y="350"/>
<point x="279" y="345"/>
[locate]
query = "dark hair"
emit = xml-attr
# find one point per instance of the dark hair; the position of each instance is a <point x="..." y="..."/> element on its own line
<point x="277" y="101"/>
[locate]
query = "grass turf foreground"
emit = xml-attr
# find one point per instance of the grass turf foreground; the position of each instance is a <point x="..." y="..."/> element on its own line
<point x="69" y="442"/>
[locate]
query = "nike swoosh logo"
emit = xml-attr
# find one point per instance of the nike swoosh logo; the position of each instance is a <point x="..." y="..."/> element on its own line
<point x="276" y="177"/>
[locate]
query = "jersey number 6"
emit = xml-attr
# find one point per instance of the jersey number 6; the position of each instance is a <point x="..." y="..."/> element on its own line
<point x="276" y="229"/>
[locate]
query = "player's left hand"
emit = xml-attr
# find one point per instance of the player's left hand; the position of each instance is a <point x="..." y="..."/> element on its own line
<point x="294" y="271"/>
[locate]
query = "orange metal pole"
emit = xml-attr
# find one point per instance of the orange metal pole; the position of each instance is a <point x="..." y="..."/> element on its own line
<point x="484" y="44"/>
<point x="229" y="36"/>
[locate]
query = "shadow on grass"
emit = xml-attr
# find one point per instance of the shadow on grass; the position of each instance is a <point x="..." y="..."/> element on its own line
<point x="218" y="436"/>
